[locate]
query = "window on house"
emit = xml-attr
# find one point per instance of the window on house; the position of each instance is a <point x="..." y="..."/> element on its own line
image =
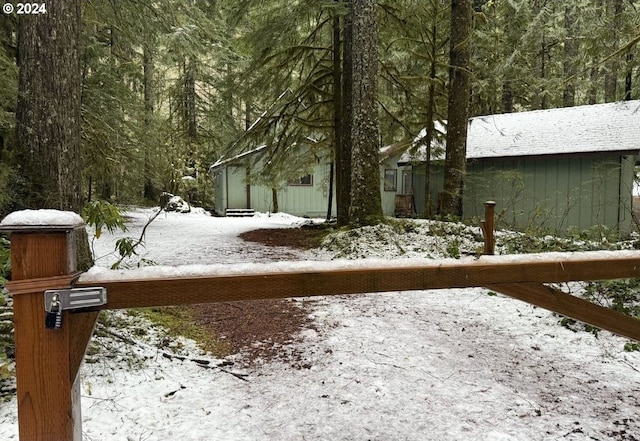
<point x="303" y="180"/>
<point x="390" y="179"/>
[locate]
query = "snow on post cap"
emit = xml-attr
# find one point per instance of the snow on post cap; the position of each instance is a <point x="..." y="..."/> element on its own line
<point x="41" y="218"/>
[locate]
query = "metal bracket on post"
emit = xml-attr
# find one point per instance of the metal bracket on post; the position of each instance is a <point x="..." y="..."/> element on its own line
<point x="75" y="298"/>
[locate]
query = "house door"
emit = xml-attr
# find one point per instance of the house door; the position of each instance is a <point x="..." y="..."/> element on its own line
<point x="407" y="182"/>
<point x="237" y="188"/>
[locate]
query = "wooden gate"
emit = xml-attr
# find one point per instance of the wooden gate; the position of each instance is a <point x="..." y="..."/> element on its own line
<point x="48" y="360"/>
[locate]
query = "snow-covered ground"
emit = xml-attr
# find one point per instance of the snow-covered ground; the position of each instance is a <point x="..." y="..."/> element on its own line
<point x="428" y="365"/>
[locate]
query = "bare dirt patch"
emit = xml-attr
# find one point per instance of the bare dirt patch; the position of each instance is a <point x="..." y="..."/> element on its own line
<point x="260" y="329"/>
<point x="301" y="238"/>
<point x="256" y="329"/>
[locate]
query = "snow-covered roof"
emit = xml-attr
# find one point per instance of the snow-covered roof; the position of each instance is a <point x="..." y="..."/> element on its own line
<point x="595" y="128"/>
<point x="224" y="161"/>
<point x="583" y="129"/>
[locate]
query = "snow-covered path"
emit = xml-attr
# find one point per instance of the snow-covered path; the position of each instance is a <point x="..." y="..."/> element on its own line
<point x="428" y="365"/>
<point x="180" y="239"/>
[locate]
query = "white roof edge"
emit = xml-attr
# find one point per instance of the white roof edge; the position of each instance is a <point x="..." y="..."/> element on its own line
<point x="220" y="162"/>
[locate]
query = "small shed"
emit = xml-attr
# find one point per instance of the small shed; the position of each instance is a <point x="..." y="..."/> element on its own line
<point x="555" y="169"/>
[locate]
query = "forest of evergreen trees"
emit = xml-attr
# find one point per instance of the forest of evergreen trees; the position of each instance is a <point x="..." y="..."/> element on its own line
<point x="170" y="86"/>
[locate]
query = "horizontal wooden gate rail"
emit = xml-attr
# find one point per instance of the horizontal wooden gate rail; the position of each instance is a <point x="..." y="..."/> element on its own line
<point x="521" y="277"/>
<point x="47" y="361"/>
<point x="342" y="278"/>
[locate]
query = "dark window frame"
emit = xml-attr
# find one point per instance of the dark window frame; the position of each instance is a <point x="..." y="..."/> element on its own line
<point x="302" y="181"/>
<point x="388" y="180"/>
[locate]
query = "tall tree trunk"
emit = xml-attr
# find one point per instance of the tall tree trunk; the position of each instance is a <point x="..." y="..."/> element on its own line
<point x="507" y="97"/>
<point x="337" y="112"/>
<point x="366" y="203"/>
<point x="190" y="98"/>
<point x="149" y="104"/>
<point x="248" y="112"/>
<point x="331" y="181"/>
<point x="628" y="80"/>
<point x="274" y="200"/>
<point x="592" y="94"/>
<point x="9" y="45"/>
<point x="614" y="10"/>
<point x="570" y="56"/>
<point x="343" y="150"/>
<point x="48" y="109"/>
<point x="458" y="105"/>
<point x="511" y="34"/>
<point x="431" y="102"/>
<point x="543" y="71"/>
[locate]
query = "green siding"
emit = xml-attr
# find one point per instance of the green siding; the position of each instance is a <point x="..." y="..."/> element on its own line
<point x="625" y="209"/>
<point x="297" y="200"/>
<point x="436" y="179"/>
<point x="554" y="193"/>
<point x="236" y="187"/>
<point x="220" y="191"/>
<point x="388" y="197"/>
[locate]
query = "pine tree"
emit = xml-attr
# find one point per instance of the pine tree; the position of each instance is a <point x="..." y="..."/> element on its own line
<point x="8" y="80"/>
<point x="8" y="98"/>
<point x="366" y="205"/>
<point x="48" y="109"/>
<point x="570" y="55"/>
<point x="149" y="192"/>
<point x="614" y="12"/>
<point x="341" y="166"/>
<point x="459" y="89"/>
<point x="119" y="131"/>
<point x="289" y="81"/>
<point x="413" y="37"/>
<point x="345" y="157"/>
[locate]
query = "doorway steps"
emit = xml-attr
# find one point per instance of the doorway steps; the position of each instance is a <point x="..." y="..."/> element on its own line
<point x="239" y="212"/>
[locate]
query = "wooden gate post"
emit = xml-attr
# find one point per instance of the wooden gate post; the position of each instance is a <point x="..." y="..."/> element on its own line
<point x="488" y="228"/>
<point x="43" y="256"/>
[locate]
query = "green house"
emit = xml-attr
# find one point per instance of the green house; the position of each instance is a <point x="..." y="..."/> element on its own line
<point x="556" y="169"/>
<point x="243" y="184"/>
<point x="301" y="188"/>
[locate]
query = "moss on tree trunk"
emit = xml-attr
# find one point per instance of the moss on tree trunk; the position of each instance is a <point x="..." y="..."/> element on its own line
<point x="458" y="114"/>
<point x="366" y="204"/>
<point x="48" y="108"/>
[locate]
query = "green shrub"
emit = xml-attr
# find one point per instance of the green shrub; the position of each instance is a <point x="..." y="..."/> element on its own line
<point x="620" y="295"/>
<point x="6" y="321"/>
<point x="10" y="184"/>
<point x="102" y="214"/>
<point x="535" y="240"/>
<point x="5" y="261"/>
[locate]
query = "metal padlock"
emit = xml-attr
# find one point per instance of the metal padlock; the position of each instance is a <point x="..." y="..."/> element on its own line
<point x="53" y="319"/>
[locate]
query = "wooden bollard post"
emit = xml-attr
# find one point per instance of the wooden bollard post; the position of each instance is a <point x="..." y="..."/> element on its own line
<point x="43" y="256"/>
<point x="488" y="228"/>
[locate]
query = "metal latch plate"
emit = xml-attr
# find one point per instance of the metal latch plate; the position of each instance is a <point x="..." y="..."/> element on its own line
<point x="76" y="298"/>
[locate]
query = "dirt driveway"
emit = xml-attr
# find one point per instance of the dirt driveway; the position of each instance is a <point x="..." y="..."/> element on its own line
<point x="259" y="329"/>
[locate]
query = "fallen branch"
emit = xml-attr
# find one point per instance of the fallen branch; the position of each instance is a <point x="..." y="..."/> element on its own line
<point x="207" y="364"/>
